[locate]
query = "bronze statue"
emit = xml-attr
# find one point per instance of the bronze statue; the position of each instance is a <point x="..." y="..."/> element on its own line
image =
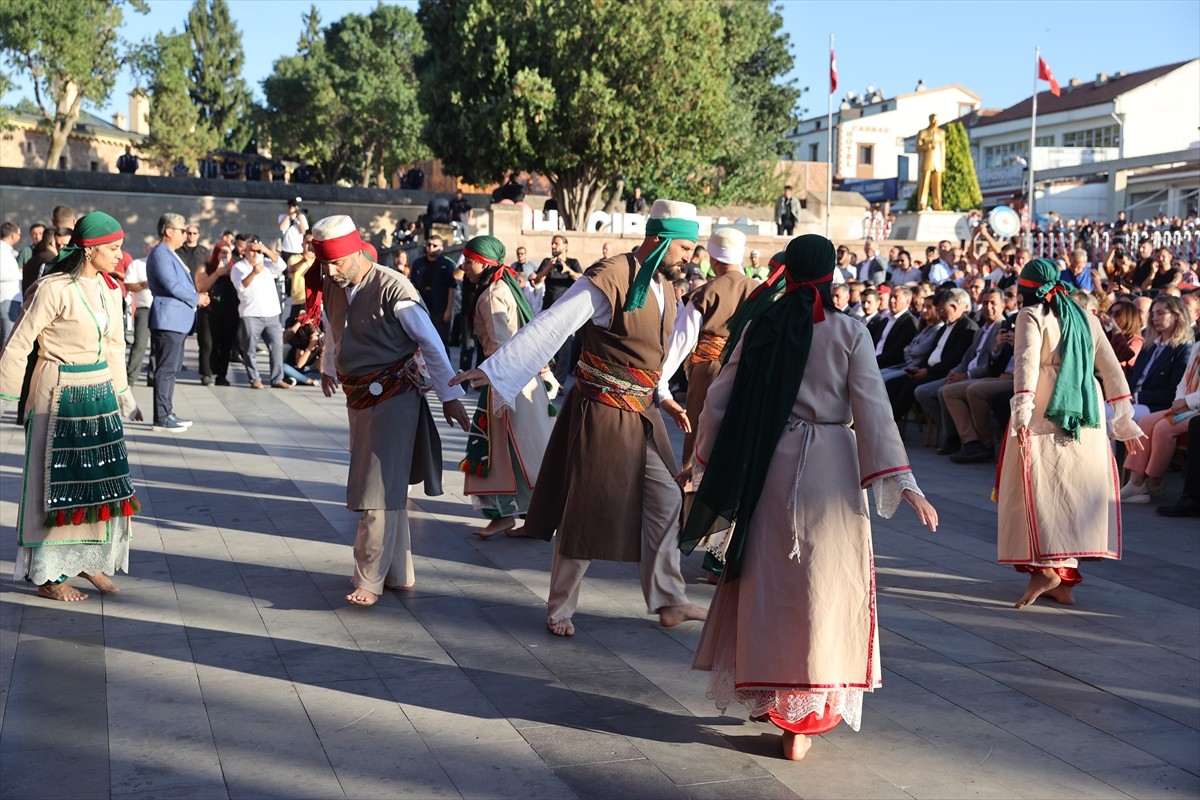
<point x="931" y="146"/>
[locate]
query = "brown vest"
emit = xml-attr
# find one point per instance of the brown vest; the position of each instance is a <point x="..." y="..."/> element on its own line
<point x="367" y="334"/>
<point x="718" y="299"/>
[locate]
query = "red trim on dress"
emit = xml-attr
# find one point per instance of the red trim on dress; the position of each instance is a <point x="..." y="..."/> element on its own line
<point x="1025" y="391"/>
<point x="874" y="475"/>
<point x="1122" y="397"/>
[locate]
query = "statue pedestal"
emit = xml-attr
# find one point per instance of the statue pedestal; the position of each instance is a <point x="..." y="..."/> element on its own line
<point x="927" y="226"/>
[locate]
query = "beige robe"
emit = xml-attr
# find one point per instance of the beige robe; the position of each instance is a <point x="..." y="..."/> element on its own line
<point x="528" y="423"/>
<point x="59" y="319"/>
<point x="1062" y="500"/>
<point x="808" y="624"/>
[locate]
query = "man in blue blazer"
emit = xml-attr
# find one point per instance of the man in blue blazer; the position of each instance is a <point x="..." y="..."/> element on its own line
<point x="171" y="318"/>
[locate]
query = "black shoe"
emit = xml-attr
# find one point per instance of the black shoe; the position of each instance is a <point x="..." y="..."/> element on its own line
<point x="187" y="423"/>
<point x="952" y="445"/>
<point x="171" y="424"/>
<point x="972" y="453"/>
<point x="222" y="381"/>
<point x="206" y="380"/>
<point x="1186" y="507"/>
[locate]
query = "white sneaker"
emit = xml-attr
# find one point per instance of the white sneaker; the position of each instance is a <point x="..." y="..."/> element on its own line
<point x="1131" y="489"/>
<point x="1137" y="499"/>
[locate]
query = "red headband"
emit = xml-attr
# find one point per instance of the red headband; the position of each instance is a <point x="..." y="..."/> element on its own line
<point x="777" y="268"/>
<point x="500" y="273"/>
<point x="473" y="256"/>
<point x="818" y="304"/>
<point x="1031" y="284"/>
<point x="339" y="247"/>
<point x="105" y="239"/>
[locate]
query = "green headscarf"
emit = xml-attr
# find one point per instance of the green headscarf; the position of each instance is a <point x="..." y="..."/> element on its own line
<point x="666" y="230"/>
<point x="1073" y="399"/>
<point x="775" y="350"/>
<point x="763" y="296"/>
<point x="489" y="251"/>
<point x="93" y="228"/>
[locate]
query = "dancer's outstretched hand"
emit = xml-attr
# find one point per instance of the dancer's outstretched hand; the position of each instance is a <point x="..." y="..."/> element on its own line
<point x="456" y="414"/>
<point x="472" y="377"/>
<point x="677" y="413"/>
<point x="925" y="510"/>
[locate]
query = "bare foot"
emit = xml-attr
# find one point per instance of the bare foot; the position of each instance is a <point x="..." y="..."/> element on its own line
<point x="795" y="745"/>
<point x="362" y="597"/>
<point x="563" y="627"/>
<point x="61" y="591"/>
<point x="1062" y="594"/>
<point x="1040" y="582"/>
<point x="519" y="533"/>
<point x="671" y="616"/>
<point x="404" y="587"/>
<point x="101" y="582"/>
<point x="496" y="526"/>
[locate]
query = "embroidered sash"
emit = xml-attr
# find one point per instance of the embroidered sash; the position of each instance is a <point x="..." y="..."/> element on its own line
<point x="708" y="348"/>
<point x="616" y="385"/>
<point x="365" y="391"/>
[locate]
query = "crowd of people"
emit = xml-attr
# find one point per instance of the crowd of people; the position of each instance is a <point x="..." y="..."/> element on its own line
<point x="792" y="380"/>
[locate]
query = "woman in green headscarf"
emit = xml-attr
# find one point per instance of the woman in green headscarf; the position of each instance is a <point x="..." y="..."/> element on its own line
<point x="1057" y="482"/>
<point x="505" y="445"/>
<point x="792" y="631"/>
<point x="77" y="499"/>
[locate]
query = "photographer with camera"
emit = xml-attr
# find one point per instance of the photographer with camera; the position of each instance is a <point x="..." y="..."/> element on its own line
<point x="304" y="340"/>
<point x="258" y="304"/>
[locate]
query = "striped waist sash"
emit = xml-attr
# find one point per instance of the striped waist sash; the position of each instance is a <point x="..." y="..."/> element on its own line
<point x="365" y="391"/>
<point x="708" y="348"/>
<point x="616" y="385"/>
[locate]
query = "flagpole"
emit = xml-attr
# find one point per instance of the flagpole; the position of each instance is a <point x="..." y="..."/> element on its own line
<point x="829" y="149"/>
<point x="1037" y="60"/>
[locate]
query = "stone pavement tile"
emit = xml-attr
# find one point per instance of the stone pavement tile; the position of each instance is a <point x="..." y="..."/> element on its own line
<point x="448" y="710"/>
<point x="619" y="780"/>
<point x="948" y="641"/>
<point x="1176" y="744"/>
<point x="1057" y="733"/>
<point x="10" y="634"/>
<point x="408" y="661"/>
<point x="160" y="739"/>
<point x="1033" y="773"/>
<point x="769" y="788"/>
<point x="79" y="772"/>
<point x="576" y="743"/>
<point x="1146" y="783"/>
<point x="894" y="753"/>
<point x="266" y="742"/>
<point x="983" y="788"/>
<point x="497" y="769"/>
<point x="215" y="613"/>
<point x="236" y="656"/>
<point x="150" y="657"/>
<point x="826" y="773"/>
<point x="54" y="622"/>
<point x="353" y="708"/>
<point x="686" y="750"/>
<point x="393" y="765"/>
<point x="579" y="653"/>
<point x="530" y="702"/>
<point x="320" y="663"/>
<point x="620" y="691"/>
<point x="56" y="680"/>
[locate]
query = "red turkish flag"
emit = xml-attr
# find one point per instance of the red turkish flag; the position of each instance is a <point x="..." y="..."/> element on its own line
<point x="1045" y="74"/>
<point x="832" y="72"/>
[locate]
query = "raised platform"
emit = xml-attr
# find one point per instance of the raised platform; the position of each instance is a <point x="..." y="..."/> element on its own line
<point x="927" y="226"/>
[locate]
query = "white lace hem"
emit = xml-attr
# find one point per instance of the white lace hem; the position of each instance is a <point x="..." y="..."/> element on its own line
<point x="889" y="491"/>
<point x="49" y="563"/>
<point x="791" y="704"/>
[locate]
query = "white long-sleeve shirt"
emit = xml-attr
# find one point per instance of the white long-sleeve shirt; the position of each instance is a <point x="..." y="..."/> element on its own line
<point x="681" y="344"/>
<point x="416" y="323"/>
<point x="511" y="367"/>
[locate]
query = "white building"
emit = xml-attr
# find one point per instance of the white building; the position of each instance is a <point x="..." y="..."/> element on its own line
<point x="869" y="133"/>
<point x="1123" y="141"/>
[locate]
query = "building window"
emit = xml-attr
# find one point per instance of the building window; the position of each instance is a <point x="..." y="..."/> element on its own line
<point x="964" y="109"/>
<point x="866" y="154"/>
<point x="1106" y="136"/>
<point x="1045" y="141"/>
<point x="62" y="162"/>
<point x="814" y="152"/>
<point x="1003" y="155"/>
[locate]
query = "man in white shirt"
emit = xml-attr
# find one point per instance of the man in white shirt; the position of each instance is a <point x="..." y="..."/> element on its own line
<point x="138" y="286"/>
<point x="10" y="277"/>
<point x="258" y="304"/>
<point x="940" y="263"/>
<point x="904" y="272"/>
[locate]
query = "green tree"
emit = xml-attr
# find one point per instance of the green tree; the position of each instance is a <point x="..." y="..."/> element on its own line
<point x="214" y="78"/>
<point x="960" y="185"/>
<point x="72" y="52"/>
<point x="327" y="102"/>
<point x="583" y="92"/>
<point x="176" y="127"/>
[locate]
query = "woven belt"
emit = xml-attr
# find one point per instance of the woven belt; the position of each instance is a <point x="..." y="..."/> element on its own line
<point x="616" y="385"/>
<point x="365" y="391"/>
<point x="708" y="348"/>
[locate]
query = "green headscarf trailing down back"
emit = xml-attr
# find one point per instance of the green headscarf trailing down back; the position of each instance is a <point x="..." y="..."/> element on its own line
<point x="1073" y="399"/>
<point x="775" y="347"/>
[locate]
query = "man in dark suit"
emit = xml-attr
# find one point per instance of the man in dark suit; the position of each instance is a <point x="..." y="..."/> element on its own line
<point x="171" y="318"/>
<point x="954" y="342"/>
<point x="873" y="318"/>
<point x="898" y="330"/>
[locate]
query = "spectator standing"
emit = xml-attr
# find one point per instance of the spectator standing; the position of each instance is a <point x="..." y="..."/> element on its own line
<point x="460" y="209"/>
<point x="757" y="270"/>
<point x="433" y="275"/>
<point x="258" y="304"/>
<point x="128" y="163"/>
<point x="254" y="169"/>
<point x="302" y="173"/>
<point x="10" y="278"/>
<point x="138" y="288"/>
<point x="557" y="274"/>
<point x="787" y="212"/>
<point x="635" y="204"/>
<point x="172" y="316"/>
<point x="36" y="231"/>
<point x="278" y="171"/>
<point x="231" y="170"/>
<point x="218" y="323"/>
<point x="191" y="252"/>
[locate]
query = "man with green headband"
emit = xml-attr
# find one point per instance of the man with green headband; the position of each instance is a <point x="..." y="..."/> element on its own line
<point x="607" y="483"/>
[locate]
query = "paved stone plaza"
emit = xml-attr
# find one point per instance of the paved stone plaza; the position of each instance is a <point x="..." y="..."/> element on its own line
<point x="230" y="665"/>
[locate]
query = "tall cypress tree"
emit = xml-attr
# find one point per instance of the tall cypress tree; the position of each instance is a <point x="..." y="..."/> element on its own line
<point x="214" y="80"/>
<point x="176" y="128"/>
<point x="960" y="187"/>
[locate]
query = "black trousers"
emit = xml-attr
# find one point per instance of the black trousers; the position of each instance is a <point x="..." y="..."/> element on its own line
<point x="167" y="347"/>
